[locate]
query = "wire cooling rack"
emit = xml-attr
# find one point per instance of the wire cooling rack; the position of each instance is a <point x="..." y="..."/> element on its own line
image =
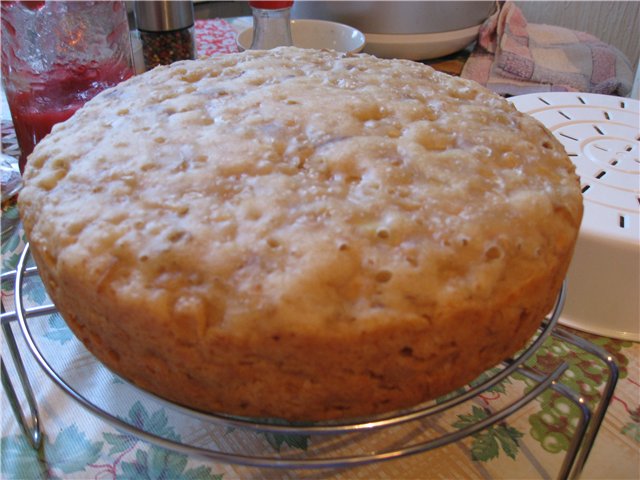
<point x="341" y="443"/>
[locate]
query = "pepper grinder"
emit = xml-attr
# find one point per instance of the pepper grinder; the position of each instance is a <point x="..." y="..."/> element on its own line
<point x="166" y="30"/>
<point x="271" y="24"/>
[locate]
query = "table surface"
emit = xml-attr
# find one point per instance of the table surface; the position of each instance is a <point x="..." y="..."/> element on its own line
<point x="530" y="443"/>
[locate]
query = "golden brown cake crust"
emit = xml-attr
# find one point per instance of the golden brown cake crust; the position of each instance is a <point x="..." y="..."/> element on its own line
<point x="301" y="234"/>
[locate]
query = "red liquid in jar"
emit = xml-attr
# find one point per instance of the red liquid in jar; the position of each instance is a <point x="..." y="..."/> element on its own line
<point x="54" y="97"/>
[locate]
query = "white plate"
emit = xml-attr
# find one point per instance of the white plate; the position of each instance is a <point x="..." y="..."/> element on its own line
<point x="423" y="46"/>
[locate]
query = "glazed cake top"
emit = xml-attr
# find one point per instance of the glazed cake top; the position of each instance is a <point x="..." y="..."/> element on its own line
<point x="299" y="189"/>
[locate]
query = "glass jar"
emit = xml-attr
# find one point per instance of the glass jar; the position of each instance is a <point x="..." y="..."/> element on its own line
<point x="166" y="30"/>
<point x="57" y="55"/>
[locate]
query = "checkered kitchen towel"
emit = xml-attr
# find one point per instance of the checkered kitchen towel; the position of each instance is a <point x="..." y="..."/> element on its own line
<point x="513" y="57"/>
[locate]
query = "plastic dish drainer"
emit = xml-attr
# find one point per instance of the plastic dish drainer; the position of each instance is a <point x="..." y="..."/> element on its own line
<point x="32" y="324"/>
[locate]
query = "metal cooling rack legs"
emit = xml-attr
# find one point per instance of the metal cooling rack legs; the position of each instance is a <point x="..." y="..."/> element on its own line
<point x="29" y="422"/>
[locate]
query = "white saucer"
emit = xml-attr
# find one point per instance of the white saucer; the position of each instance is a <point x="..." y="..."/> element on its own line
<point x="423" y="46"/>
<point x="307" y="33"/>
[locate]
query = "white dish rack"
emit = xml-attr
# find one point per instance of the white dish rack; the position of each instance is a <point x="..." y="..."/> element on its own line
<point x="601" y="135"/>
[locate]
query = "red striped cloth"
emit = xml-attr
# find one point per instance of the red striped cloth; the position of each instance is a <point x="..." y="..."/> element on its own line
<point x="215" y="36"/>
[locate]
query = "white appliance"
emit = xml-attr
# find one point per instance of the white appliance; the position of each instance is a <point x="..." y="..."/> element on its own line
<point x="601" y="134"/>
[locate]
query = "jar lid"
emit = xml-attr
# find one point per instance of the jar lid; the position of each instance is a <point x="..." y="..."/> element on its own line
<point x="159" y="16"/>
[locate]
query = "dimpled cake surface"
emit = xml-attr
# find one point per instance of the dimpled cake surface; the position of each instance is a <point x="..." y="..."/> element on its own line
<point x="301" y="234"/>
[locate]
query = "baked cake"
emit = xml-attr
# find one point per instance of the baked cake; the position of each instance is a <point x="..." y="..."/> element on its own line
<point x="301" y="234"/>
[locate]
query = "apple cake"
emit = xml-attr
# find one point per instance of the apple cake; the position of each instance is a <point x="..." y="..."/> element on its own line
<point x="301" y="234"/>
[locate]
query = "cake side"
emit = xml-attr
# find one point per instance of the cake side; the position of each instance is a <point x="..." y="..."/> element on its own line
<point x="366" y="233"/>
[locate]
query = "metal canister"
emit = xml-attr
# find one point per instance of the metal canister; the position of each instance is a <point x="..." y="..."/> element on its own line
<point x="166" y="30"/>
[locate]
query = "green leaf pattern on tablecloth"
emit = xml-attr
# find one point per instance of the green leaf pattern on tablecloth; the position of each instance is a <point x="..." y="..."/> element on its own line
<point x="158" y="463"/>
<point x="632" y="428"/>
<point x="154" y="462"/>
<point x="12" y="243"/>
<point x="277" y="440"/>
<point x="20" y="460"/>
<point x="156" y="423"/>
<point x="120" y="442"/>
<point x="486" y="445"/>
<point x="58" y="330"/>
<point x="72" y="453"/>
<point x="508" y="438"/>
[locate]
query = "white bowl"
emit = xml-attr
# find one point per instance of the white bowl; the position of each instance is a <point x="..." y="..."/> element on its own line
<point x="316" y="34"/>
<point x="423" y="46"/>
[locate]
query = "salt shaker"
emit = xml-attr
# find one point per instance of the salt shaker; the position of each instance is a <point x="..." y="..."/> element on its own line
<point x="166" y="30"/>
<point x="271" y="24"/>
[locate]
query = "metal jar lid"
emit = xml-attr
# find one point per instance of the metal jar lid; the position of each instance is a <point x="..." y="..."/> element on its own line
<point x="162" y="16"/>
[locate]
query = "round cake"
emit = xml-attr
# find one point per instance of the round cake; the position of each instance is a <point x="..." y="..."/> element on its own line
<point x="301" y="234"/>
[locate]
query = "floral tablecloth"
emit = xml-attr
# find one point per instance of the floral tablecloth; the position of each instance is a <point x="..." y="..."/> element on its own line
<point x="78" y="444"/>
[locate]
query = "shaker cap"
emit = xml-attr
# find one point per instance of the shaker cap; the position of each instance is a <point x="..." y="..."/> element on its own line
<point x="159" y="16"/>
<point x="270" y="5"/>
